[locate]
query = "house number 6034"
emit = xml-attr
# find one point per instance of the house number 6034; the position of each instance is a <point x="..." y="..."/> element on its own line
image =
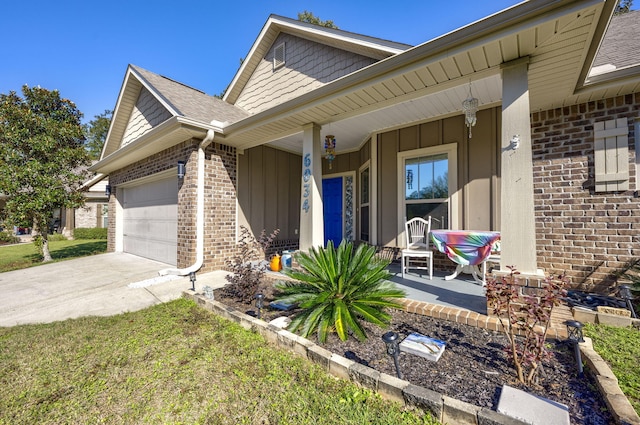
<point x="306" y="176"/>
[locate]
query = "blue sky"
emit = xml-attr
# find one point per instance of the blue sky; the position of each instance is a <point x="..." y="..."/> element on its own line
<point x="82" y="48"/>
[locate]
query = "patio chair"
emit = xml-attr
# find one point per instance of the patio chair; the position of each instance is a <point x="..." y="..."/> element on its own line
<point x="417" y="245"/>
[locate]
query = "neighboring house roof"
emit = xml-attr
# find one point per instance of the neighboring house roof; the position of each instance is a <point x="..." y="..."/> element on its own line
<point x="356" y="43"/>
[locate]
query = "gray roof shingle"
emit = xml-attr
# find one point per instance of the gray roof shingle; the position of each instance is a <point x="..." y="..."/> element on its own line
<point x="189" y="102"/>
<point x="621" y="44"/>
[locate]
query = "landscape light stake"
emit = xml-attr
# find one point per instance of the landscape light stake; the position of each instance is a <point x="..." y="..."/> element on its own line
<point x="259" y="303"/>
<point x="192" y="278"/>
<point x="391" y="341"/>
<point x="208" y="292"/>
<point x="625" y="294"/>
<point x="574" y="335"/>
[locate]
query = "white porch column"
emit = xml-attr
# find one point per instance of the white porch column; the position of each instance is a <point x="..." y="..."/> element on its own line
<point x="311" y="216"/>
<point x="517" y="223"/>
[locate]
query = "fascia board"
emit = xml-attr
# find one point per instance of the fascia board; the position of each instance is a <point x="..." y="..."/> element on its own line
<point x="116" y="111"/>
<point x="171" y="132"/>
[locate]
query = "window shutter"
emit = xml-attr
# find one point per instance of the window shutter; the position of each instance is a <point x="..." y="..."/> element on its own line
<point x="611" y="155"/>
<point x="278" y="56"/>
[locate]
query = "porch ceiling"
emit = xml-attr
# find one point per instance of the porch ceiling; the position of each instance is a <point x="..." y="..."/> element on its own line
<point x="431" y="80"/>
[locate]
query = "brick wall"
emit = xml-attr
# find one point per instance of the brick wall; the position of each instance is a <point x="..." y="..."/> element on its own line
<point x="585" y="234"/>
<point x="220" y="207"/>
<point x="220" y="199"/>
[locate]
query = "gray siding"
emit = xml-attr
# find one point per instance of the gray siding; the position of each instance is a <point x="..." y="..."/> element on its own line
<point x="478" y="170"/>
<point x="269" y="191"/>
<point x="147" y="114"/>
<point x="308" y="65"/>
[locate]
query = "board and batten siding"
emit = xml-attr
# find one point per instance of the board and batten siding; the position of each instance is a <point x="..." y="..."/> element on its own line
<point x="308" y="65"/>
<point x="269" y="191"/>
<point x="147" y="114"/>
<point x="478" y="170"/>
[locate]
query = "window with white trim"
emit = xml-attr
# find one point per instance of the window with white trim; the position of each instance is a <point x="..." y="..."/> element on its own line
<point x="427" y="184"/>
<point x="611" y="155"/>
<point x="364" y="203"/>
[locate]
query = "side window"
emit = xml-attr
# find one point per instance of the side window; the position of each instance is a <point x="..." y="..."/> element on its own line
<point x="364" y="204"/>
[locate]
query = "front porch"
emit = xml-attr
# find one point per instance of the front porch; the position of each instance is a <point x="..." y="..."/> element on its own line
<point x="460" y="300"/>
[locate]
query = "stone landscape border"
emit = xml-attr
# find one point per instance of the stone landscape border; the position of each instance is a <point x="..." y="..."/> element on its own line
<point x="444" y="408"/>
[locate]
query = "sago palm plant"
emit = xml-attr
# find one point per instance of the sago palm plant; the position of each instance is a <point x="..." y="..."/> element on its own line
<point x="337" y="289"/>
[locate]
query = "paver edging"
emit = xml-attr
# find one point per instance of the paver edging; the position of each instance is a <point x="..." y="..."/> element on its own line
<point x="388" y="386"/>
<point x="619" y="405"/>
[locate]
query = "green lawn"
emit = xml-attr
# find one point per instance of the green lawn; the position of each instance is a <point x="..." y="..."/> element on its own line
<point x="13" y="257"/>
<point x="174" y="363"/>
<point x="620" y="348"/>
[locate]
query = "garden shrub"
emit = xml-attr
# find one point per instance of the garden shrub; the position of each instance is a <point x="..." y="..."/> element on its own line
<point x="530" y="314"/>
<point x="90" y="233"/>
<point x="337" y="289"/>
<point x="56" y="237"/>
<point x="8" y="237"/>
<point x="246" y="266"/>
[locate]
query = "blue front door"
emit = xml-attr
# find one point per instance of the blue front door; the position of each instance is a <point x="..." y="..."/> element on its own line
<point x="332" y="209"/>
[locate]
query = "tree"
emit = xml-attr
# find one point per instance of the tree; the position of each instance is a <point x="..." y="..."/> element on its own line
<point x="42" y="158"/>
<point x="310" y="18"/>
<point x="96" y="133"/>
<point x="624" y="6"/>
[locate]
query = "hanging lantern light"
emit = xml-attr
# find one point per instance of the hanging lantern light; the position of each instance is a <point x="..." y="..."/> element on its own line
<point x="330" y="148"/>
<point x="470" y="107"/>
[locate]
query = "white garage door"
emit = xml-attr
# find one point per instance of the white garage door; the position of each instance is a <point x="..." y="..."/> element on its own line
<point x="150" y="227"/>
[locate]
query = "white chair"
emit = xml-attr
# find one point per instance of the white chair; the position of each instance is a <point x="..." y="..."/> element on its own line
<point x="417" y="245"/>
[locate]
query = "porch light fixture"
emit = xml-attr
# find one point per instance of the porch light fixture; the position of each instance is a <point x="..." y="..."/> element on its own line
<point x="107" y="191"/>
<point x="181" y="169"/>
<point x="470" y="107"/>
<point x="259" y="303"/>
<point x="574" y="335"/>
<point x="330" y="148"/>
<point x="391" y="341"/>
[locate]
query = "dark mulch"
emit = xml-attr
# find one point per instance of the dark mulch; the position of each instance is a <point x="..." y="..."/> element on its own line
<point x="473" y="367"/>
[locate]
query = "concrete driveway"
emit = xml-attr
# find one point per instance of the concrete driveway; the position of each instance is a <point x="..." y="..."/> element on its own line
<point x="99" y="285"/>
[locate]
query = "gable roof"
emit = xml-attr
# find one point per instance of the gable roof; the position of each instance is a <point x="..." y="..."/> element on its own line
<point x="179" y="99"/>
<point x="372" y="47"/>
<point x="189" y="102"/>
<point x="558" y="38"/>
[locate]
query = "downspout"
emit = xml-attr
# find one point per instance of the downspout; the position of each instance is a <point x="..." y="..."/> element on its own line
<point x="199" y="214"/>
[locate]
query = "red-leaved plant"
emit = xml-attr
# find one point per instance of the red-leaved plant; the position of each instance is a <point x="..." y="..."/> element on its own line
<point x="528" y="315"/>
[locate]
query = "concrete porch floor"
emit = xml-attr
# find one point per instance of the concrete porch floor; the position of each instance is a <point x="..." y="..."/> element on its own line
<point x="463" y="292"/>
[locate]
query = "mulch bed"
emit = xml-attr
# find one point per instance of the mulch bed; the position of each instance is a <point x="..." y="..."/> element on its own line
<point x="473" y="367"/>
